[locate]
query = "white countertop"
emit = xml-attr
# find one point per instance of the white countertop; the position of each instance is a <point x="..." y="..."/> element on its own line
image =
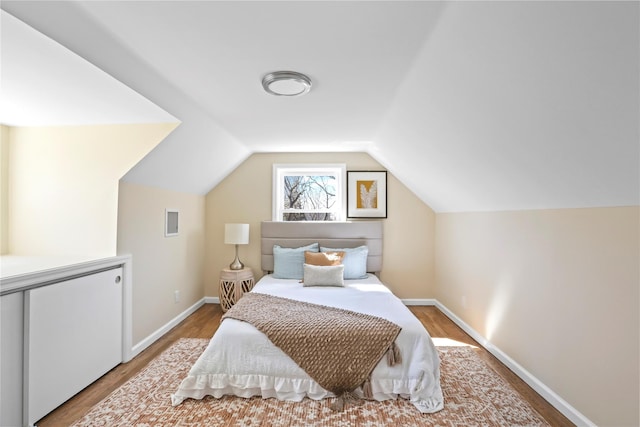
<point x="18" y="272"/>
<point x="14" y="265"/>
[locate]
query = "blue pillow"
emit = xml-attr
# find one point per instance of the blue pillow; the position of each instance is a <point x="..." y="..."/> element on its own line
<point x="288" y="262"/>
<point x="355" y="261"/>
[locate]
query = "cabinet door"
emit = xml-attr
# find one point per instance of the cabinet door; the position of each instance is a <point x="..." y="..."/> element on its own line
<point x="11" y="321"/>
<point x="74" y="337"/>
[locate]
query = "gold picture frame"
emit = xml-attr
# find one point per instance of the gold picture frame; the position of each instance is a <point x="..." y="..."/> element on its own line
<point x="366" y="194"/>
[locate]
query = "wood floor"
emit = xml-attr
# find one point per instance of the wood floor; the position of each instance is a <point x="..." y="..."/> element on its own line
<point x="204" y="322"/>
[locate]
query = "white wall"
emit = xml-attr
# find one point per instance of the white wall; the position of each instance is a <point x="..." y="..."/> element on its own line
<point x="4" y="189"/>
<point x="245" y="196"/>
<point x="557" y="291"/>
<point x="63" y="185"/>
<point x="514" y="105"/>
<point x="161" y="265"/>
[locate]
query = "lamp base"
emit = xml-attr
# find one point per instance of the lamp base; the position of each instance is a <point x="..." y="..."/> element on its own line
<point x="236" y="264"/>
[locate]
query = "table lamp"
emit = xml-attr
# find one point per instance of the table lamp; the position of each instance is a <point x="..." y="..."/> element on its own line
<point x="236" y="234"/>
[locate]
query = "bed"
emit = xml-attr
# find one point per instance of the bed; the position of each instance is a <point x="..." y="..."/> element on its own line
<point x="242" y="361"/>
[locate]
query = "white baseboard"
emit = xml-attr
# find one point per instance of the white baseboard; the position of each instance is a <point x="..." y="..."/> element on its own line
<point x="211" y="300"/>
<point x="138" y="348"/>
<point x="549" y="395"/>
<point x="419" y="301"/>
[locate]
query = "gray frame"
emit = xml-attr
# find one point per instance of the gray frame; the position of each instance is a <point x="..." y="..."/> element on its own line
<point x="171" y="222"/>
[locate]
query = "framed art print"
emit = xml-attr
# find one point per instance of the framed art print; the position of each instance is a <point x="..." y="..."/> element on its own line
<point x="366" y="194"/>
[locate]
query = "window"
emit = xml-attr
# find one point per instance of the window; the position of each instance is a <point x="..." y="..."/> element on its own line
<point x="308" y="192"/>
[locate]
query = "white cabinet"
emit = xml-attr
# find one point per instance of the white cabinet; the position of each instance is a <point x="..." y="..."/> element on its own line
<point x="74" y="337"/>
<point x="11" y="333"/>
<point x="60" y="330"/>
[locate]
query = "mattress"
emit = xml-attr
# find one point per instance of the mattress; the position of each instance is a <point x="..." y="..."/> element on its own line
<point x="241" y="361"/>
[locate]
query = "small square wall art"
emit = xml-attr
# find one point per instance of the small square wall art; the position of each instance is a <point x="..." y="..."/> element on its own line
<point x="366" y="194"/>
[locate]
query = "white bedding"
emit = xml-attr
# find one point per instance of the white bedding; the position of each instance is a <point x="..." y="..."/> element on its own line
<point x="241" y="361"/>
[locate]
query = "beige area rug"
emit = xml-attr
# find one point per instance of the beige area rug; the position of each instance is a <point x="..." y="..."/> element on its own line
<point x="475" y="395"/>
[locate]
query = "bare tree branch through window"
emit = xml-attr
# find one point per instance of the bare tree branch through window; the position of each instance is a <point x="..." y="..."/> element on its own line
<point x="308" y="192"/>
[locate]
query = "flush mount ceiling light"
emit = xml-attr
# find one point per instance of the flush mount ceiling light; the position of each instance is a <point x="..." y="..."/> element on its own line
<point x="286" y="83"/>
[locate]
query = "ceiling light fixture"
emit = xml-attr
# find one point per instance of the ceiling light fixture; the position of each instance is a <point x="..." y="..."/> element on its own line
<point x="286" y="83"/>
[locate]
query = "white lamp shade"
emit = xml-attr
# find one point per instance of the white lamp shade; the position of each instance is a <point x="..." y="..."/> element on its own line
<point x="236" y="234"/>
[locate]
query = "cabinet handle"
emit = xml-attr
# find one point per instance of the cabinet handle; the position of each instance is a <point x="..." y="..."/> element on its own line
<point x="118" y="279"/>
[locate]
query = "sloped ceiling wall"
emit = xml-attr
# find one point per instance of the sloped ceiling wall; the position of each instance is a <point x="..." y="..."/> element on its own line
<point x="196" y="155"/>
<point x="521" y="105"/>
<point x="486" y="105"/>
<point x="45" y="84"/>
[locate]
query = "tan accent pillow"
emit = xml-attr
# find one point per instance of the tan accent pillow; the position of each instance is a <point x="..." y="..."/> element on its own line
<point x="323" y="258"/>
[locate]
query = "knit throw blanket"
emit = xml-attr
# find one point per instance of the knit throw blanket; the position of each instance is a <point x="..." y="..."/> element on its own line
<point x="337" y="348"/>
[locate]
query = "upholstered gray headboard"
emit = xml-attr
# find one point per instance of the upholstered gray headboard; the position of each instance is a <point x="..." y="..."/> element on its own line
<point x="328" y="234"/>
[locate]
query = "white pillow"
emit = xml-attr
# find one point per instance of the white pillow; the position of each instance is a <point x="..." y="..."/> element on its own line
<point x="317" y="275"/>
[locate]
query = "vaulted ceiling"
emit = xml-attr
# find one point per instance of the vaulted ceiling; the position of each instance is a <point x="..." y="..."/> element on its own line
<point x="475" y="106"/>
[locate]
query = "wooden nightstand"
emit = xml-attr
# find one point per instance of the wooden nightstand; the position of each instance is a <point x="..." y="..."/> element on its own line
<point x="233" y="284"/>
